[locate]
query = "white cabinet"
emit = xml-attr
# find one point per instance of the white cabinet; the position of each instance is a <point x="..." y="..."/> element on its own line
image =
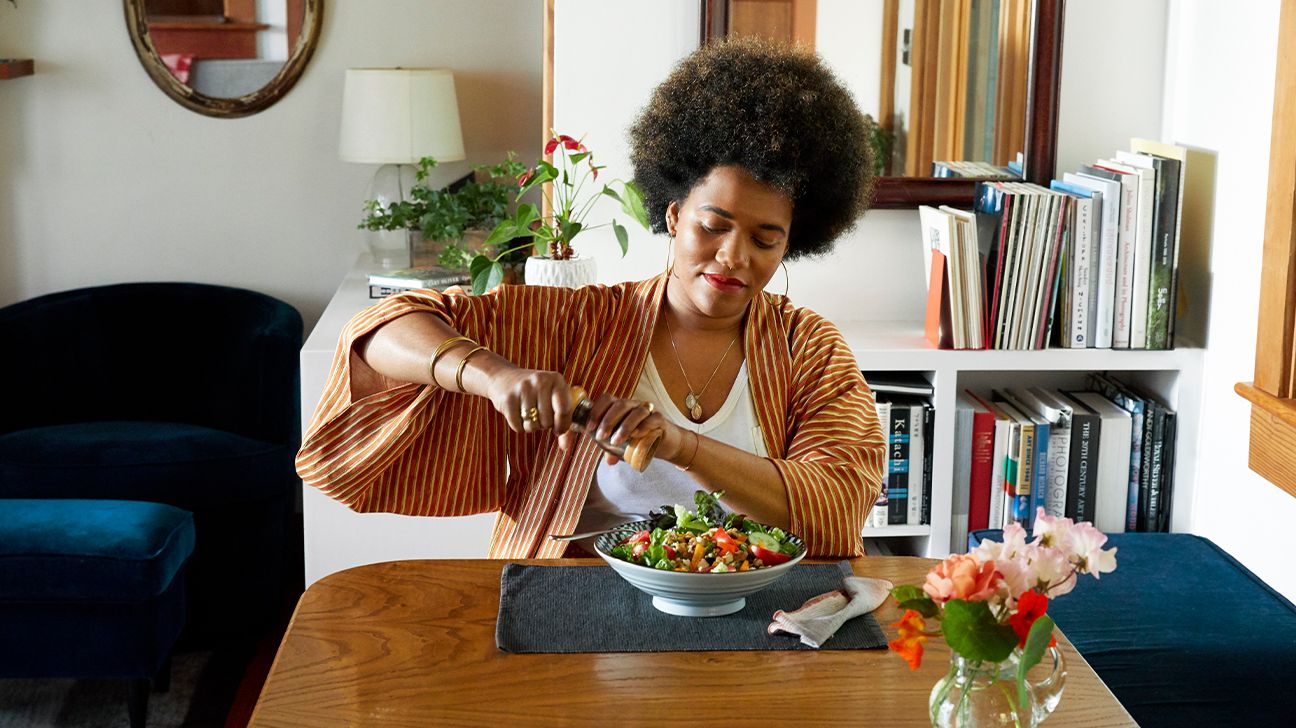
<point x="336" y="537"/>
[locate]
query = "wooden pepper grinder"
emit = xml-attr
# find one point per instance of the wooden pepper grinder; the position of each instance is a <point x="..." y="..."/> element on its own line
<point x="638" y="452"/>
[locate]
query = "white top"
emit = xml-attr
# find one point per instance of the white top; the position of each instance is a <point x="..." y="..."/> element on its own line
<point x="619" y="494"/>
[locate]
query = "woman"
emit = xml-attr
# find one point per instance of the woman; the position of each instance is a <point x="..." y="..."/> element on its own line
<point x="449" y="404"/>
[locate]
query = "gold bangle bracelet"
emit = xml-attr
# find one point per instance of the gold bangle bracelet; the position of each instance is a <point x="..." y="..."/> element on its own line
<point x="441" y="349"/>
<point x="697" y="441"/>
<point x="462" y="363"/>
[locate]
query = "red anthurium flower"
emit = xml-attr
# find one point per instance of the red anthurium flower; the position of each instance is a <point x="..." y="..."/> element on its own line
<point x="593" y="169"/>
<point x="910" y="643"/>
<point x="1031" y="605"/>
<point x="525" y="177"/>
<point x="551" y="146"/>
<point x="571" y="144"/>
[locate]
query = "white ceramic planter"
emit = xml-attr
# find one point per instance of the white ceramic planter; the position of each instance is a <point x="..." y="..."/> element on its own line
<point x="571" y="273"/>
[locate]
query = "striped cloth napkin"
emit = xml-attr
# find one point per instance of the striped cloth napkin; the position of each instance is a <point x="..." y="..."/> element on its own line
<point x="818" y="619"/>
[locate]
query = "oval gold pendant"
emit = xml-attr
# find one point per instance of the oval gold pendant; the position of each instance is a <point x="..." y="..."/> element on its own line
<point x="693" y="406"/>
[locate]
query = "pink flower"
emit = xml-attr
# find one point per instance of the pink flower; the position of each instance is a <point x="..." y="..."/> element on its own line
<point x="1014" y="545"/>
<point x="1051" y="571"/>
<point x="1051" y="531"/>
<point x="1015" y="577"/>
<point x="961" y="576"/>
<point x="1086" y="550"/>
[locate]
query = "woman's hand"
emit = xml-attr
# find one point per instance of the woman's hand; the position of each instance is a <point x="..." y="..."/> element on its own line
<point x="533" y="400"/>
<point x="617" y="421"/>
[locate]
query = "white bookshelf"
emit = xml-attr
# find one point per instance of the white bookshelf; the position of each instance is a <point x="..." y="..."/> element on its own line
<point x="1173" y="375"/>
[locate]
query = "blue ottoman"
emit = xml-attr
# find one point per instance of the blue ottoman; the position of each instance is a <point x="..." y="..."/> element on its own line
<point x="1183" y="634"/>
<point x="92" y="589"/>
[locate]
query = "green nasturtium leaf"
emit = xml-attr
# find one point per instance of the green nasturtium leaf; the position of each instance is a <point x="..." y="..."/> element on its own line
<point x="973" y="632"/>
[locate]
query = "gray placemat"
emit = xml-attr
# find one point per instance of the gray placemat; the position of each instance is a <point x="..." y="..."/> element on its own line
<point x="591" y="609"/>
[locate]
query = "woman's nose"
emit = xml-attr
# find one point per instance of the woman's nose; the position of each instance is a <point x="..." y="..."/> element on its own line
<point x="731" y="253"/>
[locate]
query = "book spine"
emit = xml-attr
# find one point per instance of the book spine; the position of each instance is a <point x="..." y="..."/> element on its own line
<point x="928" y="433"/>
<point x="1059" y="451"/>
<point x="961" y="496"/>
<point x="982" y="472"/>
<point x="1080" y="283"/>
<point x="1142" y="259"/>
<point x="1164" y="229"/>
<point x="1125" y="268"/>
<point x="878" y="516"/>
<point x="913" y="513"/>
<point x="1083" y="469"/>
<point x="1108" y="241"/>
<point x="1156" y="464"/>
<point x="1167" y="472"/>
<point x="998" y="475"/>
<point x="1039" y="490"/>
<point x="1057" y="242"/>
<point x="898" y="477"/>
<point x="1145" y="467"/>
<point x="1022" y="512"/>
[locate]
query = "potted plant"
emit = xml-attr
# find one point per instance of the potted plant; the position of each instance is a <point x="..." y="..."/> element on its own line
<point x="451" y="223"/>
<point x="552" y="231"/>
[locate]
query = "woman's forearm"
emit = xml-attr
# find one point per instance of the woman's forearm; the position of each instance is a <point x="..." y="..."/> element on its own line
<point x="751" y="483"/>
<point x="402" y="349"/>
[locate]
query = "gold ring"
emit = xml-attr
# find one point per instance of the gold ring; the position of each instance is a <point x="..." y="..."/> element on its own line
<point x="531" y="415"/>
<point x="649" y="406"/>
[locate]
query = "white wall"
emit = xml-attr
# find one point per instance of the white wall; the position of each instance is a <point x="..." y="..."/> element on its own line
<point x="848" y="34"/>
<point x="105" y="179"/>
<point x="1219" y="97"/>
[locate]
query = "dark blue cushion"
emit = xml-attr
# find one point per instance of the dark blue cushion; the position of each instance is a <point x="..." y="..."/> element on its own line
<point x="1182" y="633"/>
<point x="90" y="550"/>
<point x="189" y="466"/>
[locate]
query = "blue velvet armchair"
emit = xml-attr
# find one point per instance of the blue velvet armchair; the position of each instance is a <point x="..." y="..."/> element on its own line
<point x="175" y="393"/>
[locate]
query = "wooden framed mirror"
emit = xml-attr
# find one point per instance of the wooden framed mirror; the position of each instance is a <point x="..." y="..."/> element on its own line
<point x="224" y="58"/>
<point x="948" y="80"/>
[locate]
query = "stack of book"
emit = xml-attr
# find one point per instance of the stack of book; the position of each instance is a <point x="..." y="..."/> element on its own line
<point x="1104" y="455"/>
<point x="386" y="283"/>
<point x="1089" y="262"/>
<point x="906" y="415"/>
<point x="973" y="170"/>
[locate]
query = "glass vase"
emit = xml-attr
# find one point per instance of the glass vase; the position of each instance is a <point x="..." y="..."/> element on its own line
<point x="978" y="693"/>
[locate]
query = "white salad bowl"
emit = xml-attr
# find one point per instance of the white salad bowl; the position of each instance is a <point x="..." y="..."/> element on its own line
<point x="689" y="594"/>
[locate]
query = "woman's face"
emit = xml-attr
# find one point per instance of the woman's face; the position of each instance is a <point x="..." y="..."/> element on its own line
<point x="730" y="234"/>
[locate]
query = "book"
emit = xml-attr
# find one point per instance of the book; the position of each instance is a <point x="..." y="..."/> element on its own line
<point x="1165" y="240"/>
<point x="917" y="448"/>
<point x="1043" y="435"/>
<point x="1023" y="484"/>
<point x="878" y="516"/>
<point x="980" y="422"/>
<point x="939" y="327"/>
<point x="1058" y="414"/>
<point x="966" y="248"/>
<point x="1082" y="269"/>
<point x="898" y="469"/>
<point x="961" y="487"/>
<point x="1117" y="393"/>
<point x="1199" y="187"/>
<point x="1107" y="211"/>
<point x="1082" y="470"/>
<point x="1122" y="309"/>
<point x="993" y="211"/>
<point x="414" y="278"/>
<point x="1162" y="519"/>
<point x="899" y="383"/>
<point x="1113" y="461"/>
<point x="1001" y="471"/>
<point x="1145" y="206"/>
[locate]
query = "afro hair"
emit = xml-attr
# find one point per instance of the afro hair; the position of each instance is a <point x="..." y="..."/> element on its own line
<point x="772" y="110"/>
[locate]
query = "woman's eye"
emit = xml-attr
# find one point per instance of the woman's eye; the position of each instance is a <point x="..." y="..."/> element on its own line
<point x="709" y="229"/>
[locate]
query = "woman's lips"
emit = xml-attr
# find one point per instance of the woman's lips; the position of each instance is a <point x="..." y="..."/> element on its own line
<point x="724" y="283"/>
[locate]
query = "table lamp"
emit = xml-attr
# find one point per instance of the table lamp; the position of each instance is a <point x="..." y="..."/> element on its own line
<point x="394" y="117"/>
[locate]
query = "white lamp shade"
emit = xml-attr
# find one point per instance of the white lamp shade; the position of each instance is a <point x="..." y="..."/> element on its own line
<point x="399" y="115"/>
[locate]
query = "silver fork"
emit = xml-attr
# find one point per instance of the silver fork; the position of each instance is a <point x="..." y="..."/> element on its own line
<point x="587" y="534"/>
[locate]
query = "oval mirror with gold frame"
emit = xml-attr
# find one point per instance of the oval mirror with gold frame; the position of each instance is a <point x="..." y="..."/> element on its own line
<point x="224" y="58"/>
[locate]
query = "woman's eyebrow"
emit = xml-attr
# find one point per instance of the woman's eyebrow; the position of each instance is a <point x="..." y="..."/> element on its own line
<point x="729" y="216"/>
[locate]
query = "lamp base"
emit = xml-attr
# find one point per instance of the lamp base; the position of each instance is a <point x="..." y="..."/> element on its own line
<point x="391" y="183"/>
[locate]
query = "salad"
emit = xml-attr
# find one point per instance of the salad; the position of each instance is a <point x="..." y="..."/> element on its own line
<point x="705" y="540"/>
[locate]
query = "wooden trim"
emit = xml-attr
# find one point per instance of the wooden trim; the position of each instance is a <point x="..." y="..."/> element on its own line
<point x="1272" y="453"/>
<point x="547" y="103"/>
<point x="715" y="21"/>
<point x="138" y="26"/>
<point x="243" y="11"/>
<point x="15" y="67"/>
<point x="1277" y="325"/>
<point x="296" y="14"/>
<point x="1273" y="410"/>
<point x="886" y="90"/>
<point x="203" y="27"/>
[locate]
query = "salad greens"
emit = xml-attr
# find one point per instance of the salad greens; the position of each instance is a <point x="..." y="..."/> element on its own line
<point x="705" y="539"/>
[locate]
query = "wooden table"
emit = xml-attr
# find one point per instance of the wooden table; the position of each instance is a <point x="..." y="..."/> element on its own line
<point x="412" y="643"/>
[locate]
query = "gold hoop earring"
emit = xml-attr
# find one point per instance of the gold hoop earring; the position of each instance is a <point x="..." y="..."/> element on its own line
<point x="670" y="245"/>
<point x="787" y="279"/>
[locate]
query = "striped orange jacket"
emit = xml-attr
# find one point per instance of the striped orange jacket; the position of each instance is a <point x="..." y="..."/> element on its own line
<point x="420" y="450"/>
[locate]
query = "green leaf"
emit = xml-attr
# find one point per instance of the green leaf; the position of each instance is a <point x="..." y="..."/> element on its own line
<point x="634" y="203"/>
<point x="913" y="597"/>
<point x="613" y="194"/>
<point x="579" y="157"/>
<point x="570" y="229"/>
<point x="973" y="632"/>
<point x="545" y="172"/>
<point x="1036" y="642"/>
<point x="503" y="232"/>
<point x="486" y="274"/>
<point x="526" y="214"/>
<point x="623" y="238"/>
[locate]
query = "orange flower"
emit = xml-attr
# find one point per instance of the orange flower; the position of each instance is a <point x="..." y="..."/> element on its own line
<point x="961" y="576"/>
<point x="910" y="643"/>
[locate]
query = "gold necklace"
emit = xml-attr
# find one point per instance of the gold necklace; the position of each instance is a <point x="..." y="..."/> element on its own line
<point x="692" y="402"/>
